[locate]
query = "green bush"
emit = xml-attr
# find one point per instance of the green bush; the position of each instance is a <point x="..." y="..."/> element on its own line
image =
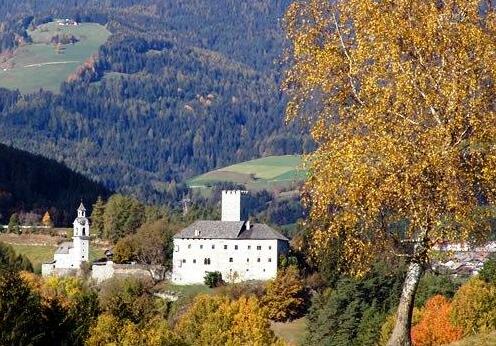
<point x="213" y="279"/>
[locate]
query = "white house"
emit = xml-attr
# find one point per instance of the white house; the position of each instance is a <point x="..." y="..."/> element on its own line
<point x="237" y="249"/>
<point x="69" y="255"/>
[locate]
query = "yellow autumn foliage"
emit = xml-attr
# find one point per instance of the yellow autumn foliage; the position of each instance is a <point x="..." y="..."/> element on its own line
<point x="217" y="320"/>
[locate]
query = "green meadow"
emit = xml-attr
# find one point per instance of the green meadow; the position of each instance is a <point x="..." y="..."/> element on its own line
<point x="265" y="173"/>
<point x="40" y="66"/>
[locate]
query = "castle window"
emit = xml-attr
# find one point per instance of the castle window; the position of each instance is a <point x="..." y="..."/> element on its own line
<point x="184" y="261"/>
<point x="230" y="259"/>
<point x="249" y="247"/>
<point x="206" y="261"/>
<point x="213" y="246"/>
<point x="247" y="260"/>
<point x="194" y="261"/>
<point x="259" y="247"/>
<point x="189" y="246"/>
<point x="270" y="259"/>
<point x="258" y="259"/>
<point x="225" y="247"/>
<point x="201" y="246"/>
<point x="235" y="247"/>
<point x="270" y="247"/>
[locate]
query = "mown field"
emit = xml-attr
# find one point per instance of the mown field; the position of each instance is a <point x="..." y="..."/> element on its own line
<point x="40" y="66"/>
<point x="268" y="172"/>
<point x="38" y="254"/>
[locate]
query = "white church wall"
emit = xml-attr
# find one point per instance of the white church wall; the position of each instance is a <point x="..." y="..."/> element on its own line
<point x="243" y="259"/>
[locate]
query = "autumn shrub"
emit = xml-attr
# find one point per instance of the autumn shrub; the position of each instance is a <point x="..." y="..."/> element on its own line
<point x="387" y="327"/>
<point x="124" y="250"/>
<point x="435" y="326"/>
<point x="474" y="307"/>
<point x="218" y="320"/>
<point x="285" y="296"/>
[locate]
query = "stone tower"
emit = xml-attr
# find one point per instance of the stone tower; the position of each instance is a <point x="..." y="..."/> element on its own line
<point x="81" y="237"/>
<point x="231" y="205"/>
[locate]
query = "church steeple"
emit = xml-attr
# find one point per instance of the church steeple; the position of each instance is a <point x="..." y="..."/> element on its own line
<point x="81" y="210"/>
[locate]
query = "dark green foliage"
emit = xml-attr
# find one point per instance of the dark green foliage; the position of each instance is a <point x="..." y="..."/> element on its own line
<point x="10" y="260"/>
<point x="30" y="182"/>
<point x="123" y="215"/>
<point x="488" y="271"/>
<point x="180" y="88"/>
<point x="432" y="284"/>
<point x="97" y="220"/>
<point x="353" y="311"/>
<point x="213" y="279"/>
<point x="20" y="311"/>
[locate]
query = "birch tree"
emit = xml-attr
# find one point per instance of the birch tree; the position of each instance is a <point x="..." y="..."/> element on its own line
<point x="400" y="99"/>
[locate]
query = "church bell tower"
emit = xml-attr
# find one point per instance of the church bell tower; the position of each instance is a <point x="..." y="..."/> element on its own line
<point x="81" y="237"/>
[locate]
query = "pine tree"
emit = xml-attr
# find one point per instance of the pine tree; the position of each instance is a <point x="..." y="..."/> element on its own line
<point x="97" y="217"/>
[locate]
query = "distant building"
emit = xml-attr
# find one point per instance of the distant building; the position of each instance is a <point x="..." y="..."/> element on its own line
<point x="237" y="249"/>
<point x="69" y="255"/>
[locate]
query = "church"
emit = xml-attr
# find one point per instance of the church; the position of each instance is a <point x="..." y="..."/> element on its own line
<point x="69" y="255"/>
<point x="236" y="248"/>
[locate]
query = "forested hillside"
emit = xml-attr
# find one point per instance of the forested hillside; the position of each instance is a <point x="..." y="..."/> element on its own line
<point x="180" y="88"/>
<point x="31" y="183"/>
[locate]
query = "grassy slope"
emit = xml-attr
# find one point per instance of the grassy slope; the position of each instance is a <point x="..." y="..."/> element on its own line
<point x="291" y="332"/>
<point x="60" y="66"/>
<point x="38" y="254"/>
<point x="255" y="174"/>
<point x="477" y="340"/>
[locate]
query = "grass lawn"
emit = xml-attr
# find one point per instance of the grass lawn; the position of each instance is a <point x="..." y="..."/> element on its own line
<point x="38" y="254"/>
<point x="38" y="65"/>
<point x="477" y="340"/>
<point x="291" y="332"/>
<point x="265" y="173"/>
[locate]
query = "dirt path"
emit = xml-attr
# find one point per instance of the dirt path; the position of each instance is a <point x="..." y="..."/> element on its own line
<point x="52" y="63"/>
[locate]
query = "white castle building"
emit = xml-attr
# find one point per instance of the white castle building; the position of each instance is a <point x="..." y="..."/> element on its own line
<point x="69" y="255"/>
<point x="237" y="249"/>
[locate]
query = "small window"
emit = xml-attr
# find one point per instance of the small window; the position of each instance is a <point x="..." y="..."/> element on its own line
<point x="258" y="259"/>
<point x="235" y="247"/>
<point x="247" y="260"/>
<point x="225" y="247"/>
<point x="230" y="259"/>
<point x="247" y="269"/>
<point x="270" y="247"/>
<point x="194" y="261"/>
<point x="213" y="246"/>
<point x="259" y="247"/>
<point x="201" y="246"/>
<point x="270" y="259"/>
<point x="206" y="261"/>
<point x="264" y="270"/>
<point x="189" y="246"/>
<point x="249" y="247"/>
<point x="184" y="261"/>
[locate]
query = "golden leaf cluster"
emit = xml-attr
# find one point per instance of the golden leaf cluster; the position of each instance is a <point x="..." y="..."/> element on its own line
<point x="400" y="97"/>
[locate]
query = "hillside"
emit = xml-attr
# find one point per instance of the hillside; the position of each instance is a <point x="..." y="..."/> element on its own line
<point x="179" y="89"/>
<point x="33" y="183"/>
<point x="265" y="173"/>
<point x="43" y="63"/>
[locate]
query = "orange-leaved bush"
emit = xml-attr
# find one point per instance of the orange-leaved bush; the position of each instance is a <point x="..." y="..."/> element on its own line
<point x="435" y="326"/>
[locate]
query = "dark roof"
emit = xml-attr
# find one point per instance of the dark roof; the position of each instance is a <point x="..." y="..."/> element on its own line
<point x="212" y="230"/>
<point x="228" y="230"/>
<point x="261" y="231"/>
<point x="64" y="247"/>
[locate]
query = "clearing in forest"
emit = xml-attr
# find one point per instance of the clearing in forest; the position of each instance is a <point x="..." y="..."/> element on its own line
<point x="55" y="53"/>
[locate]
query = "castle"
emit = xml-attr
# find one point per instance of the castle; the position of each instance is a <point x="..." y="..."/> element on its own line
<point x="69" y="255"/>
<point x="236" y="248"/>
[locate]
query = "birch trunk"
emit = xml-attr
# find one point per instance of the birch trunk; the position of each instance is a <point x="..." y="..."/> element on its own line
<point x="401" y="331"/>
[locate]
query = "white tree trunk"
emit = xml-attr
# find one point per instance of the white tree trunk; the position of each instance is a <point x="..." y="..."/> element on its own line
<point x="401" y="331"/>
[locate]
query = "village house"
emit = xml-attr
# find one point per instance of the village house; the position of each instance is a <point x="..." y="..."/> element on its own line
<point x="69" y="255"/>
<point x="236" y="248"/>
